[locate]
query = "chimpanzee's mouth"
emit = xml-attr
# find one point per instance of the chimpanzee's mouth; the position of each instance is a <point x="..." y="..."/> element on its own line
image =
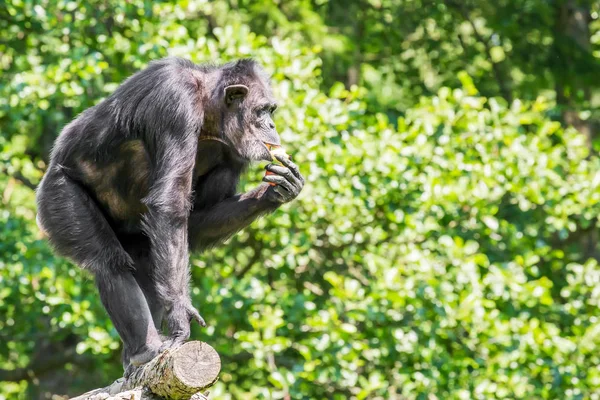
<point x="270" y="146"/>
<point x="277" y="152"/>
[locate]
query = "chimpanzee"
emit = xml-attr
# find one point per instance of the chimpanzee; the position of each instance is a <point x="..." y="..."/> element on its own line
<point x="149" y="174"/>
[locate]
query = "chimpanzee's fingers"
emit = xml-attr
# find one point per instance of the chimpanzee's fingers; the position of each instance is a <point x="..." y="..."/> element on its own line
<point x="286" y="173"/>
<point x="293" y="167"/>
<point x="280" y="180"/>
<point x="284" y="194"/>
<point x="194" y="314"/>
<point x="279" y="170"/>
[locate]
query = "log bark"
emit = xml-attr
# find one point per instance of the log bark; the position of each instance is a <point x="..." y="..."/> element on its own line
<point x="183" y="373"/>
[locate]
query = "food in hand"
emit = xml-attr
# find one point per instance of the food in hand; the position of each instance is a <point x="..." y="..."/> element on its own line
<point x="276" y="151"/>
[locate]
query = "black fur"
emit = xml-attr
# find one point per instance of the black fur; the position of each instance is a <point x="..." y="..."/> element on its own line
<point x="139" y="180"/>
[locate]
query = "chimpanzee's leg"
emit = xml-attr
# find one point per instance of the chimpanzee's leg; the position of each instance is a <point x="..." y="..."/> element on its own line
<point x="79" y="231"/>
<point x="144" y="278"/>
<point x="138" y="247"/>
<point x="166" y="223"/>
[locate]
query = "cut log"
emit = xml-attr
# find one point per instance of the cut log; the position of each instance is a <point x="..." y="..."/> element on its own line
<point x="176" y="374"/>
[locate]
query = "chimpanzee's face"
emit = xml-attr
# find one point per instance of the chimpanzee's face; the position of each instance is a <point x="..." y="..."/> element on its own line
<point x="250" y="126"/>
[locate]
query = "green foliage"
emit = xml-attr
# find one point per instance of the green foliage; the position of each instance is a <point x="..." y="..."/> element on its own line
<point x="448" y="253"/>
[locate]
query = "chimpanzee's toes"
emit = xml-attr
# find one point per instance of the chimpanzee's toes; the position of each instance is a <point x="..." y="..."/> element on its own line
<point x="129" y="370"/>
<point x="172" y="343"/>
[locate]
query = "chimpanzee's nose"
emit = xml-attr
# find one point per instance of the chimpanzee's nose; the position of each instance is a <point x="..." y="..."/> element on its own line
<point x="272" y="125"/>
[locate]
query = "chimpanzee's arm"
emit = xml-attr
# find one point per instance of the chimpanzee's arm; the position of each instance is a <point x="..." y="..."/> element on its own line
<point x="212" y="225"/>
<point x="166" y="222"/>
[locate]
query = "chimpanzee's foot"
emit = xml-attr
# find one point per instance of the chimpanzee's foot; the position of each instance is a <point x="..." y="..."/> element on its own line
<point x="143" y="357"/>
<point x="133" y="361"/>
<point x="129" y="370"/>
<point x="172" y="343"/>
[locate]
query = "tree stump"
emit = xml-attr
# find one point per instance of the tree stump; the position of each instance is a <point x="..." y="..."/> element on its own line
<point x="175" y="374"/>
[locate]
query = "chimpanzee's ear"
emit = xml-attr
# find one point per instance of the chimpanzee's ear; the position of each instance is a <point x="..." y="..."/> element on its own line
<point x="233" y="92"/>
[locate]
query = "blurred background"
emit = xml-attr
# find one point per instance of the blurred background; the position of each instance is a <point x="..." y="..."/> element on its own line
<point x="445" y="245"/>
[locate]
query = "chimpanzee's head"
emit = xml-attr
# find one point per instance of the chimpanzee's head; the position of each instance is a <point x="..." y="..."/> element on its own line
<point x="246" y="106"/>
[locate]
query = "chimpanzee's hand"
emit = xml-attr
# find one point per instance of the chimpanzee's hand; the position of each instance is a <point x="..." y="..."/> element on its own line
<point x="179" y="317"/>
<point x="287" y="179"/>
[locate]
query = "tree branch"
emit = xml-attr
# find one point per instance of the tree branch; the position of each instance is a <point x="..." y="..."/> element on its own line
<point x="183" y="373"/>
